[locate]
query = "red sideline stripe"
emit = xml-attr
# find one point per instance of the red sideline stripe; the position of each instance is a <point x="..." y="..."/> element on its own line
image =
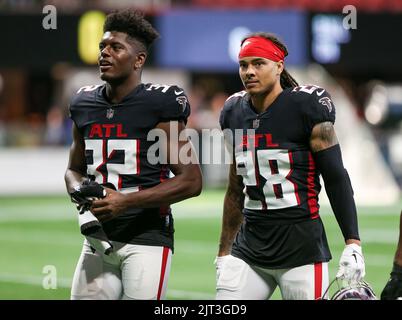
<point x="317" y="280"/>
<point x="311" y="192"/>
<point x="165" y="256"/>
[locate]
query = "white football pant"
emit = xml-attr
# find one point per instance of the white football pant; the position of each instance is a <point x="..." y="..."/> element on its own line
<point x="239" y="281"/>
<point x="131" y="272"/>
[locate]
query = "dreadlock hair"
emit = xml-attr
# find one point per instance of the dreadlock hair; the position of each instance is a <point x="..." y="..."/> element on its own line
<point x="286" y="80"/>
<point x="133" y="23"/>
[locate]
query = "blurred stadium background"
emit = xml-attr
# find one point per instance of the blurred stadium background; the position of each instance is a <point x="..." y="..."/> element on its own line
<point x="39" y="69"/>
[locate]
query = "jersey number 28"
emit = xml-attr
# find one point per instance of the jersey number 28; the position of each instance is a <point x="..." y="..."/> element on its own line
<point x="277" y="191"/>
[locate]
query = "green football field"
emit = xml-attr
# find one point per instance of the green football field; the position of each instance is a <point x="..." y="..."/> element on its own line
<point x="39" y="234"/>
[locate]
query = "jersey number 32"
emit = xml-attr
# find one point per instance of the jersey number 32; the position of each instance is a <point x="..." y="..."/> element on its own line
<point x="103" y="154"/>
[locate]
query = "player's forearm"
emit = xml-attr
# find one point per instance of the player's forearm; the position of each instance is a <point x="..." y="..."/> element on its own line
<point x="76" y="168"/>
<point x="328" y="158"/>
<point x="339" y="191"/>
<point x="344" y="208"/>
<point x="231" y="220"/>
<point x="170" y="191"/>
<point x="72" y="179"/>
<point x="350" y="241"/>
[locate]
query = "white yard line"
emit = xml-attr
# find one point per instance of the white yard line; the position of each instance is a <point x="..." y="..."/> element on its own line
<point x="379" y="260"/>
<point x="180" y="211"/>
<point x="372" y="236"/>
<point x="67" y="239"/>
<point x="387" y="236"/>
<point x="33" y="280"/>
<point x="36" y="238"/>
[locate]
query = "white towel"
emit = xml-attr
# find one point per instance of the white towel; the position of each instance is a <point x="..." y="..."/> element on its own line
<point x="92" y="229"/>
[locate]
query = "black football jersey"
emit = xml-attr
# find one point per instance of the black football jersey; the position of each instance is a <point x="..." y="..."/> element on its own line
<point x="116" y="148"/>
<point x="282" y="227"/>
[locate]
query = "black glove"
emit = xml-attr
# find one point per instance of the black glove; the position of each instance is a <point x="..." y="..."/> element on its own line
<point x="393" y="288"/>
<point x="84" y="194"/>
<point x="108" y="185"/>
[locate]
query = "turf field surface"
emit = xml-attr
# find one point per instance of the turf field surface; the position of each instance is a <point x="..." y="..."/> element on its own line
<point x="38" y="233"/>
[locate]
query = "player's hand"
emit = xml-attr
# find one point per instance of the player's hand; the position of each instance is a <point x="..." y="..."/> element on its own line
<point x="393" y="288"/>
<point x="109" y="207"/>
<point x="219" y="261"/>
<point x="84" y="194"/>
<point x="351" y="264"/>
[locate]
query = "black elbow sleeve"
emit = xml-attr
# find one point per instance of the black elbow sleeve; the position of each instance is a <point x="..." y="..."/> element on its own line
<point x="339" y="190"/>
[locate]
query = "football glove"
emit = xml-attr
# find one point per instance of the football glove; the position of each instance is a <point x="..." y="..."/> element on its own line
<point x="88" y="191"/>
<point x="393" y="288"/>
<point x="351" y="264"/>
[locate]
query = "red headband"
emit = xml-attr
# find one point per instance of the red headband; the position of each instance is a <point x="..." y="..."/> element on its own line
<point x="261" y="47"/>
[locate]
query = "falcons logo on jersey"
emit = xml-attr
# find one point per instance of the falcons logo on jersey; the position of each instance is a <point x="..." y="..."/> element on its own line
<point x="182" y="100"/>
<point x="326" y="102"/>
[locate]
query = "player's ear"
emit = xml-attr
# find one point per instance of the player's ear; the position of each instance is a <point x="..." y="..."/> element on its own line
<point x="280" y="67"/>
<point x="140" y="60"/>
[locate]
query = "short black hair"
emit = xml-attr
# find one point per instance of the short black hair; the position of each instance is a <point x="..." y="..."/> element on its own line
<point x="133" y="23"/>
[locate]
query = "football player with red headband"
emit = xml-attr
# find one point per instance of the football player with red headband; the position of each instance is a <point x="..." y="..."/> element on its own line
<point x="272" y="234"/>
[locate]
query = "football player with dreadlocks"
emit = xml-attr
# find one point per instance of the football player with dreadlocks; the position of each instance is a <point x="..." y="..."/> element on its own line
<point x="272" y="234"/>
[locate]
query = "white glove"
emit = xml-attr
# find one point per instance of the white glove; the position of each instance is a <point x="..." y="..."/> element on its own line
<point x="219" y="261"/>
<point x="351" y="264"/>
